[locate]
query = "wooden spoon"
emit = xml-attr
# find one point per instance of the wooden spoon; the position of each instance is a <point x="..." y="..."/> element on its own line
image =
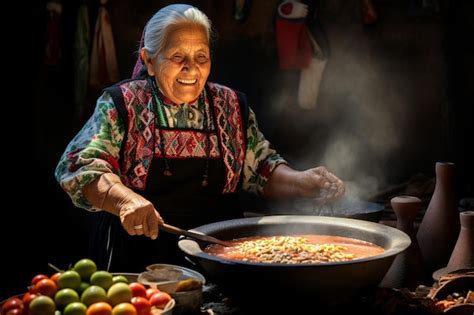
<point x="201" y="237"/>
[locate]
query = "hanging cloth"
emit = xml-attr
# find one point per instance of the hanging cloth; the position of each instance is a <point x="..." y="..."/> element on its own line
<point x="81" y="59"/>
<point x="311" y="77"/>
<point x="292" y="37"/>
<point x="52" y="51"/>
<point x="104" y="68"/>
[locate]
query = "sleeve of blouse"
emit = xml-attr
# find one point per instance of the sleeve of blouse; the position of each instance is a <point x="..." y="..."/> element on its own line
<point x="92" y="152"/>
<point x="260" y="158"/>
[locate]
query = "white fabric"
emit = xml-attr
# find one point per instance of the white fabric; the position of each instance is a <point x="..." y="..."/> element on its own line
<point x="299" y="10"/>
<point x="311" y="77"/>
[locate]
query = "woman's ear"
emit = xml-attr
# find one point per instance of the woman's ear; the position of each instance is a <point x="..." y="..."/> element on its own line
<point x="147" y="61"/>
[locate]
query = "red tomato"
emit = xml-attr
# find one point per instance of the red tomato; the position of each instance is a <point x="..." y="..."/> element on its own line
<point x="99" y="308"/>
<point x="32" y="289"/>
<point x="26" y="301"/>
<point x="46" y="287"/>
<point x="138" y="289"/>
<point x="11" y="304"/>
<point x="15" y="311"/>
<point x="142" y="305"/>
<point x="55" y="277"/>
<point x="27" y="297"/>
<point x="160" y="299"/>
<point x="151" y="291"/>
<point x="37" y="278"/>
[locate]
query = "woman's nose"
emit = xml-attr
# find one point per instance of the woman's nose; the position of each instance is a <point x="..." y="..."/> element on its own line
<point x="189" y="64"/>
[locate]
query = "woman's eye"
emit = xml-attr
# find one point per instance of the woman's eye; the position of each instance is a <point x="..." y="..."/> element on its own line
<point x="202" y="58"/>
<point x="177" y="58"/>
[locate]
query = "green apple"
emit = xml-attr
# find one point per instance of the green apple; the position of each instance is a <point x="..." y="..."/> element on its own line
<point x="42" y="305"/>
<point x="120" y="278"/>
<point x="65" y="296"/>
<point x="85" y="268"/>
<point x="119" y="293"/>
<point x="83" y="287"/>
<point x="76" y="308"/>
<point x="93" y="294"/>
<point x="102" y="278"/>
<point x="69" y="279"/>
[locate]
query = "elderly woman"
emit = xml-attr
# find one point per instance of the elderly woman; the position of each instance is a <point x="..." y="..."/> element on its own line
<point x="169" y="146"/>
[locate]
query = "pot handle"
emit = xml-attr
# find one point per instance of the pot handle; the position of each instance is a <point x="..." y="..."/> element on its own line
<point x="192" y="260"/>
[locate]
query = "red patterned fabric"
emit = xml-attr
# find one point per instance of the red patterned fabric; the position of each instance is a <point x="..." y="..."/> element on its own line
<point x="139" y="147"/>
<point x="293" y="43"/>
<point x="138" y="150"/>
<point x="182" y="144"/>
<point x="231" y="134"/>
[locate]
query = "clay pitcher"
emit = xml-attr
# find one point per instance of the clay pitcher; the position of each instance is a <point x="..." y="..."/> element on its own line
<point x="407" y="270"/>
<point x="463" y="253"/>
<point x="439" y="227"/>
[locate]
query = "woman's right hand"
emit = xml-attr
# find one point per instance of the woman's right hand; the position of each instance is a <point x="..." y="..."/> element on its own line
<point x="138" y="215"/>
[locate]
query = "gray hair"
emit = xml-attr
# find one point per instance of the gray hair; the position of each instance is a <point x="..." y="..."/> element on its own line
<point x="157" y="27"/>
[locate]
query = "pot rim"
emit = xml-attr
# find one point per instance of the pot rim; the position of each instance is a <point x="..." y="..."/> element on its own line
<point x="399" y="240"/>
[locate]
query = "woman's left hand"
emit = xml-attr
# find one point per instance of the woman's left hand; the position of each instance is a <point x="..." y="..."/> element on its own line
<point x="320" y="184"/>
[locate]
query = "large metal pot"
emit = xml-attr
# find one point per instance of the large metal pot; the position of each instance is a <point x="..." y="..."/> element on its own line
<point x="325" y="280"/>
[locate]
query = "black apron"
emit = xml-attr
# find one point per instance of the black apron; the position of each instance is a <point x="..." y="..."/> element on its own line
<point x="180" y="199"/>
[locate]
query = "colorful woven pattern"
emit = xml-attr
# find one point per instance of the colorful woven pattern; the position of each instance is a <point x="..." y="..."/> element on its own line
<point x="229" y="123"/>
<point x="180" y="144"/>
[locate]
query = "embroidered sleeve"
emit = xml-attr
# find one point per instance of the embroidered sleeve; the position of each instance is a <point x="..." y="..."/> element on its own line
<point x="260" y="158"/>
<point x="93" y="151"/>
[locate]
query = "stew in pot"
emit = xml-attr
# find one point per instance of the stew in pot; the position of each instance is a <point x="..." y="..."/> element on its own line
<point x="296" y="249"/>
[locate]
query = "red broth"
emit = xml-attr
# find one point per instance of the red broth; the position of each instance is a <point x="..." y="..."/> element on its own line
<point x="295" y="249"/>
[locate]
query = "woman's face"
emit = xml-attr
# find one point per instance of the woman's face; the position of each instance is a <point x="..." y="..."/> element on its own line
<point x="182" y="68"/>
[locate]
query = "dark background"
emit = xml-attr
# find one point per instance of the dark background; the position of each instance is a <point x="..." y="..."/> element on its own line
<point x="395" y="98"/>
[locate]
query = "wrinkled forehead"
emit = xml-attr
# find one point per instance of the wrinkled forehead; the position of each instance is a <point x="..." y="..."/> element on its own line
<point x="186" y="34"/>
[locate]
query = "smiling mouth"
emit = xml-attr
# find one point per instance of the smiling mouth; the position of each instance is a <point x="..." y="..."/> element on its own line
<point x="187" y="82"/>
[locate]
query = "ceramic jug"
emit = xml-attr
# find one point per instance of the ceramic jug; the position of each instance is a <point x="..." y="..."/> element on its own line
<point x="463" y="253"/>
<point x="408" y="269"/>
<point x="439" y="227"/>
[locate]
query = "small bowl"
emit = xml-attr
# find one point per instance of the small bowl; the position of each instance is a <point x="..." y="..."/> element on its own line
<point x="186" y="301"/>
<point x="185" y="273"/>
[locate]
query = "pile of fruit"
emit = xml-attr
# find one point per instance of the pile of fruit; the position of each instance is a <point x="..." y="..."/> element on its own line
<point x="84" y="290"/>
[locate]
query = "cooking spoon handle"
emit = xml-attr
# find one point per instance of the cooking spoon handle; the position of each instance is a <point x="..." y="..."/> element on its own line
<point x="201" y="237"/>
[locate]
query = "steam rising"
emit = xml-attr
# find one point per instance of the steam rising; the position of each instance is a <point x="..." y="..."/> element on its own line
<point x="353" y="128"/>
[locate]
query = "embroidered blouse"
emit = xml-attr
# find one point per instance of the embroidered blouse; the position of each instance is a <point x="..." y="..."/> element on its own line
<point x="96" y="148"/>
